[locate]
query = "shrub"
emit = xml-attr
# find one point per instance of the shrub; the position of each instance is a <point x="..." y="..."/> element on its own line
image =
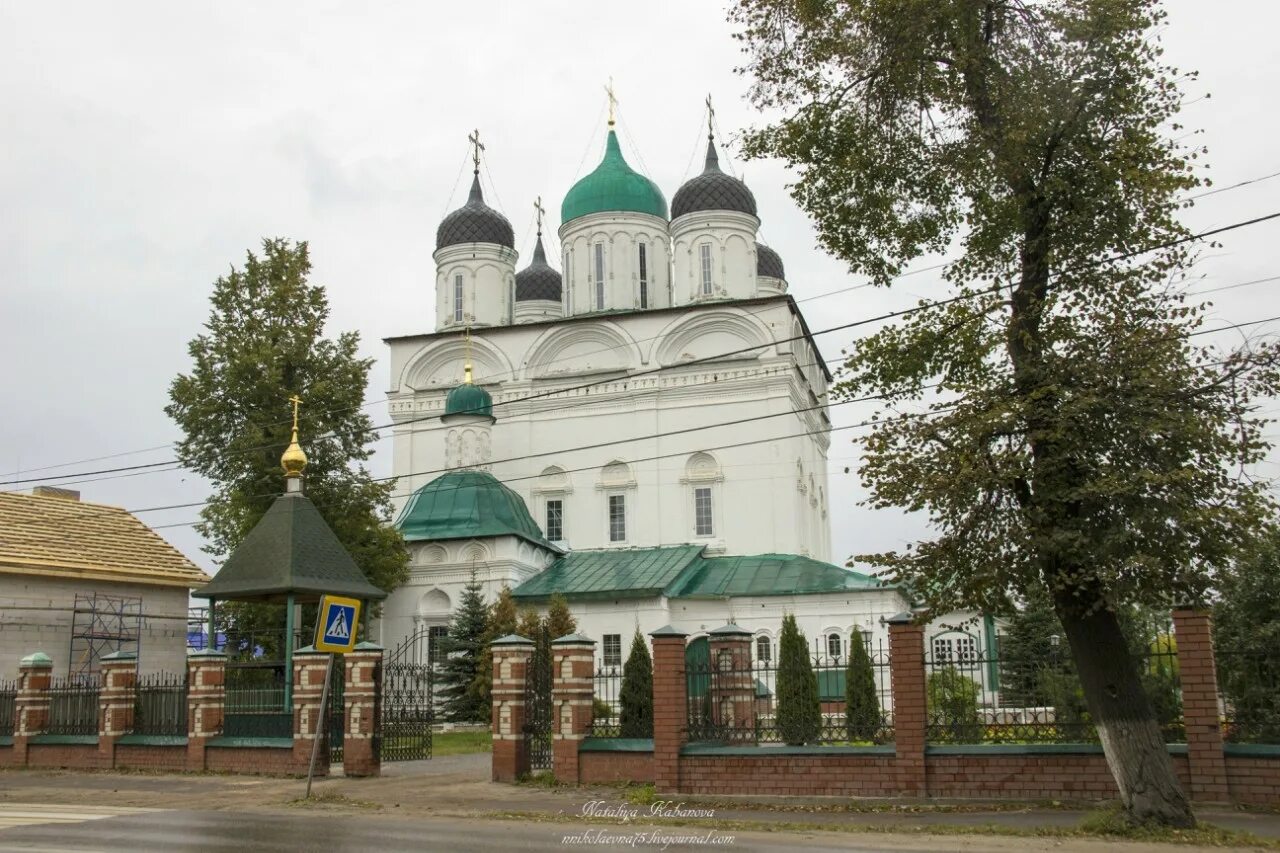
<point x="953" y="706"/>
<point x="861" y="705"/>
<point x="637" y="691"/>
<point x="799" y="717"/>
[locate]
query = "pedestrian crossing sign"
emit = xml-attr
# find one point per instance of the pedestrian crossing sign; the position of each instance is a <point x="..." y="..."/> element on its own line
<point x="336" y="625"/>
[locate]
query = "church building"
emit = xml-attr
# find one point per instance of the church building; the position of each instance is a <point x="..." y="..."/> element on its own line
<point x="643" y="430"/>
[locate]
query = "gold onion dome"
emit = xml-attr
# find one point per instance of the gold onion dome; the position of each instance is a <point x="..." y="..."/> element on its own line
<point x="293" y="460"/>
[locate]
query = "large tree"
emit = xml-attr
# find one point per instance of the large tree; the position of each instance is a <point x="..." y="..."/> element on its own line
<point x="463" y="649"/>
<point x="1069" y="432"/>
<point x="263" y="343"/>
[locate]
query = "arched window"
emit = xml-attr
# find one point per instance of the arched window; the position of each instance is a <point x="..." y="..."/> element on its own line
<point x="643" y="267"/>
<point x="833" y="645"/>
<point x="457" y="298"/>
<point x="764" y="649"/>
<point x="615" y="481"/>
<point x="702" y="474"/>
<point x="704" y="266"/>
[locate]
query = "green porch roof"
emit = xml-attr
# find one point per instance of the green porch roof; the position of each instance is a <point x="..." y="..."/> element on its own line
<point x="767" y="574"/>
<point x="466" y="505"/>
<point x="630" y="573"/>
<point x="291" y="550"/>
<point x="682" y="572"/>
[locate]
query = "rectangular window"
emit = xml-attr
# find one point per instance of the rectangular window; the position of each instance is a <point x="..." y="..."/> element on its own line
<point x="704" y="255"/>
<point x="613" y="650"/>
<point x="644" y="278"/>
<point x="617" y="518"/>
<point x="833" y="645"/>
<point x="702" y="523"/>
<point x="764" y="652"/>
<point x="599" y="264"/>
<point x="555" y="520"/>
<point x="436" y="637"/>
<point x="568" y="279"/>
<point x="457" y="299"/>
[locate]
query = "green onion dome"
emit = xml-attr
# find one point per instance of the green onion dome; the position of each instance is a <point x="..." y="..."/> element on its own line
<point x="465" y="505"/>
<point x="613" y="186"/>
<point x="468" y="399"/>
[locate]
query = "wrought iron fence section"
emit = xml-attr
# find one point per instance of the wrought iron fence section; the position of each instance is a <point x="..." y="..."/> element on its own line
<point x="734" y="704"/>
<point x="160" y="705"/>
<point x="73" y="706"/>
<point x="408" y="707"/>
<point x="1249" y="688"/>
<point x="537" y="705"/>
<point x="8" y="711"/>
<point x="254" y="704"/>
<point x="606" y="702"/>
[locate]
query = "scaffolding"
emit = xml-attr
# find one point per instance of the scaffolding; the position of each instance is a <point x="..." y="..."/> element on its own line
<point x="102" y="624"/>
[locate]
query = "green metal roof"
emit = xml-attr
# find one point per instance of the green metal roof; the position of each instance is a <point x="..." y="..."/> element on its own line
<point x="613" y="186"/>
<point x="767" y="574"/>
<point x="468" y="399"/>
<point x="467" y="504"/>
<point x="291" y="550"/>
<point x="631" y="573"/>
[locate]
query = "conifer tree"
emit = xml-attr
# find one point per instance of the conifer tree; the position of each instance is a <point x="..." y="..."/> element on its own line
<point x="861" y="705"/>
<point x="529" y="624"/>
<point x="501" y="620"/>
<point x="560" y="622"/>
<point x="799" y="716"/>
<point x="462" y="653"/>
<point x="1026" y="650"/>
<point x="637" y="691"/>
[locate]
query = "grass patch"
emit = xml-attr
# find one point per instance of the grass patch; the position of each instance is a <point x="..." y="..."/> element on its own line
<point x="642" y="795"/>
<point x="541" y="779"/>
<point x="328" y="799"/>
<point x="460" y="743"/>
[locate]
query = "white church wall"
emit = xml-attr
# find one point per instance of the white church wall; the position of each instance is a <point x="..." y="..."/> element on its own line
<point x="619" y="234"/>
<point x="487" y="274"/>
<point x="732" y="240"/>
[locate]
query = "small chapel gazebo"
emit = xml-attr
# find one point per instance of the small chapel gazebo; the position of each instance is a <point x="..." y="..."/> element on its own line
<point x="290" y="557"/>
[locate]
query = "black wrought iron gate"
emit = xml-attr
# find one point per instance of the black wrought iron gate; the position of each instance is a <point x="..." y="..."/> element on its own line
<point x="537" y="707"/>
<point x="408" y="702"/>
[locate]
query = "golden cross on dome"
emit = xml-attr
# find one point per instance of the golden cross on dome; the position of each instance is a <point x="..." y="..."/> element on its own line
<point x="711" y="117"/>
<point x="613" y="101"/>
<point x="476" y="147"/>
<point x="537" y="205"/>
<point x="297" y="401"/>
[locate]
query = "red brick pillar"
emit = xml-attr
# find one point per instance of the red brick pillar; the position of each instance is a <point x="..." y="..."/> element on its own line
<point x="1199" y="679"/>
<point x="115" y="703"/>
<point x="733" y="684"/>
<point x="31" y="704"/>
<point x="572" y="694"/>
<point x="511" y="656"/>
<point x="670" y="707"/>
<point x="360" y="717"/>
<point x="308" y="684"/>
<point x="206" y="695"/>
<point x="910" y="715"/>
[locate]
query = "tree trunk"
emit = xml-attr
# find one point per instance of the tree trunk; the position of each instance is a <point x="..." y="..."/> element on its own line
<point x="1131" y="739"/>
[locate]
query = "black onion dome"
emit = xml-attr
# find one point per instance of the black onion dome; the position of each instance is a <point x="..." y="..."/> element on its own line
<point x="713" y="190"/>
<point x="538" y="280"/>
<point x="475" y="222"/>
<point x="769" y="263"/>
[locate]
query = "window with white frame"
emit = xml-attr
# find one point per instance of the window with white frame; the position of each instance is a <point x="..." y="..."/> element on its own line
<point x="457" y="298"/>
<point x="955" y="649"/>
<point x="617" y="518"/>
<point x="833" y="645"/>
<point x="555" y="519"/>
<point x="703" y="522"/>
<point x="568" y="280"/>
<point x="704" y="258"/>
<point x="764" y="650"/>
<point x="613" y="650"/>
<point x="599" y="275"/>
<point x="437" y="635"/>
<point x="643" y="266"/>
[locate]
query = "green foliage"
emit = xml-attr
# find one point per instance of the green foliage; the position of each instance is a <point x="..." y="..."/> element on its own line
<point x="500" y="621"/>
<point x="953" y="706"/>
<point x="600" y="709"/>
<point x="1026" y="645"/>
<point x="462" y="648"/>
<point x="1246" y="636"/>
<point x="861" y="704"/>
<point x="637" y="691"/>
<point x="263" y="343"/>
<point x="799" y="713"/>
<point x="560" y="622"/>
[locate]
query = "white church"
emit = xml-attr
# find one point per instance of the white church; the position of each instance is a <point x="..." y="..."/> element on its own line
<point x="644" y="432"/>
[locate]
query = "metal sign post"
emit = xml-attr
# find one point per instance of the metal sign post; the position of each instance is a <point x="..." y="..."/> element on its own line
<point x="324" y="705"/>
<point x="336" y="622"/>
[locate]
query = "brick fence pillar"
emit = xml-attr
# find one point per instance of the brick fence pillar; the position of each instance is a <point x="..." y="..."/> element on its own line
<point x="511" y="657"/>
<point x="670" y="707"/>
<point x="206" y="697"/>
<point x="1208" y="766"/>
<point x="309" y="668"/>
<point x="360" y="741"/>
<point x="31" y="704"/>
<point x="573" y="692"/>
<point x="733" y="684"/>
<point x="910" y="703"/>
<point x="116" y="700"/>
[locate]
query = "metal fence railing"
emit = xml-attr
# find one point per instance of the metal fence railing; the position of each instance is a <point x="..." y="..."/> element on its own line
<point x="73" y="706"/>
<point x="980" y="696"/>
<point x="1249" y="688"/>
<point x="731" y="703"/>
<point x="8" y="712"/>
<point x="254" y="701"/>
<point x="160" y="705"/>
<point x="606" y="705"/>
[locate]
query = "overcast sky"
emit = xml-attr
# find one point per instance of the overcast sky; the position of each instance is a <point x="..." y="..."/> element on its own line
<point x="146" y="146"/>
